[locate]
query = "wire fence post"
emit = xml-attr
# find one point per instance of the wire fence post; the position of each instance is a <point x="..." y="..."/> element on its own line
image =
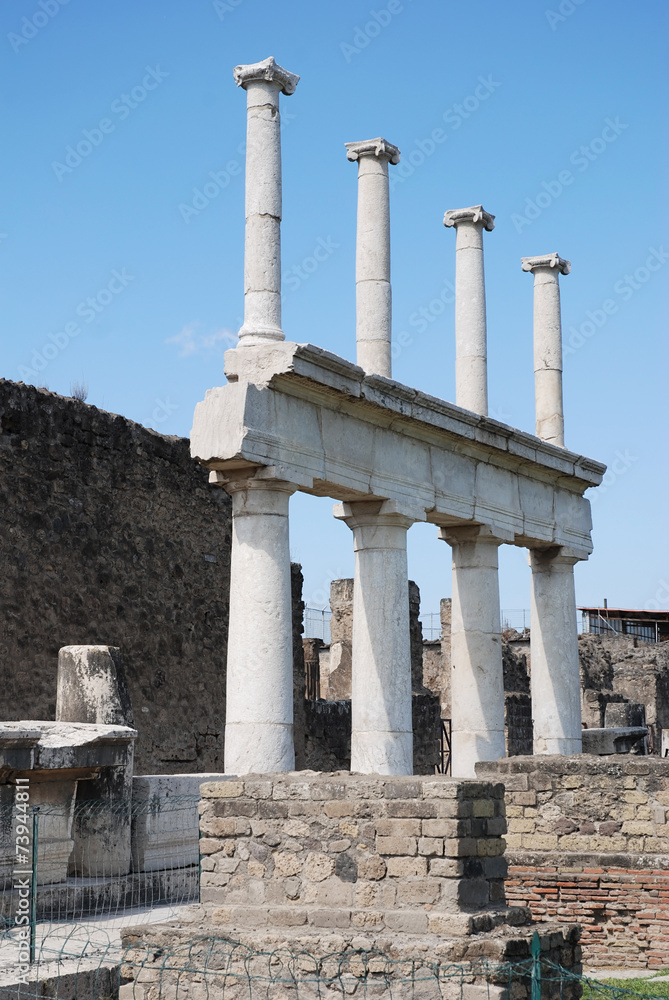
<point x="33" y="887"/>
<point x="535" y="952"/>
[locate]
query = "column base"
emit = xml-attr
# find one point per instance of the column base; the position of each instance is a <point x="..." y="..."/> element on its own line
<point x="382" y="752"/>
<point x="258" y="747"/>
<point x="564" y="745"/>
<point x="470" y="746"/>
<point x="254" y="334"/>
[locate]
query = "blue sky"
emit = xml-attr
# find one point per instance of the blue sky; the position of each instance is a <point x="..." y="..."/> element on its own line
<point x="118" y="273"/>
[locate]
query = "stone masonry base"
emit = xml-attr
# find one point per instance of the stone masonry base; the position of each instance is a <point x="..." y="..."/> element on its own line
<point x="412" y="868"/>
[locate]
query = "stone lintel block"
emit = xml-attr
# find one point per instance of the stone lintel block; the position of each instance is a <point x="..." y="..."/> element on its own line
<point x="268" y="71"/>
<point x="551" y="260"/>
<point x="380" y="148"/>
<point x="475" y="214"/>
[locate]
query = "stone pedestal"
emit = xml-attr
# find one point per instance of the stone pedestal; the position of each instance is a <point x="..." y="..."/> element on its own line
<point x="357" y="885"/>
<point x="477" y="681"/>
<point x="373" y="303"/>
<point x="92" y="686"/>
<point x="471" y="350"/>
<point x="548" y="345"/>
<point x="259" y="701"/>
<point x="165" y="820"/>
<point x="555" y="674"/>
<point x="263" y="82"/>
<point x="78" y="777"/>
<point x="381" y="737"/>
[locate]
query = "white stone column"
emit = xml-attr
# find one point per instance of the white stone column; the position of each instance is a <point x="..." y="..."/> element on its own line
<point x="373" y="305"/>
<point x="555" y="675"/>
<point x="259" y="685"/>
<point x="477" y="681"/>
<point x="263" y="82"/>
<point x="548" y="345"/>
<point x="382" y="730"/>
<point x="471" y="350"/>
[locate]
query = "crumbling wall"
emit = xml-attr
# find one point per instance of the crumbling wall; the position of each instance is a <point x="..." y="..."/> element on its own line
<point x="588" y="841"/>
<point x="111" y="535"/>
<point x="616" y="669"/>
<point x="328" y="721"/>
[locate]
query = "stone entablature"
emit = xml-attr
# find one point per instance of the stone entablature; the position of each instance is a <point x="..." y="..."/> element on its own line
<point x="314" y="419"/>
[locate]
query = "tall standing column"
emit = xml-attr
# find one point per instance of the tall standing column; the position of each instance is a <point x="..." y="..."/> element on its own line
<point x="477" y="681"/>
<point x="259" y="686"/>
<point x="373" y="305"/>
<point x="382" y="730"/>
<point x="548" y="345"/>
<point x="556" y="682"/>
<point x="263" y="82"/>
<point x="471" y="349"/>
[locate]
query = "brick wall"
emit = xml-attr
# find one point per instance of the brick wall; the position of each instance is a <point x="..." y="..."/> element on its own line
<point x="588" y="841"/>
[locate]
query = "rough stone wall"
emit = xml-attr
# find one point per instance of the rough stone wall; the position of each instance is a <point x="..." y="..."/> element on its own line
<point x="616" y="669"/>
<point x="588" y="840"/>
<point x="328" y="739"/>
<point x="416" y="639"/>
<point x="111" y="535"/>
<point x="517" y="698"/>
<point x="299" y="677"/>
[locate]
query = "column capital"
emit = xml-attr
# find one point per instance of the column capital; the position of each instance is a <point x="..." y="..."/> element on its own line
<point x="380" y="148"/>
<point x="475" y="214"/>
<point x="267" y="71"/>
<point x="392" y="513"/>
<point x="457" y="534"/>
<point x="550" y="260"/>
<point x="556" y="555"/>
<point x="266" y="478"/>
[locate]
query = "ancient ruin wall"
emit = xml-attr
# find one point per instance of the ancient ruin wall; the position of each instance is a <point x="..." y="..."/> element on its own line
<point x="111" y="534"/>
<point x="588" y="841"/>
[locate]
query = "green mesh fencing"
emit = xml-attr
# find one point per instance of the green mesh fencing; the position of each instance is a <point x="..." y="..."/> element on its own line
<point x="95" y="867"/>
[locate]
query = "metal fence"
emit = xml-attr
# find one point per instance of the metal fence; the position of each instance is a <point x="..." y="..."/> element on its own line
<point x="74" y="873"/>
<point x="201" y="967"/>
<point x="317" y="622"/>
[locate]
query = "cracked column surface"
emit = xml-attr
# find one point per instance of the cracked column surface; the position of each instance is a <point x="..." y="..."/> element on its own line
<point x="548" y="345"/>
<point x="382" y="731"/>
<point x="471" y="350"/>
<point x="263" y="82"/>
<point x="373" y="297"/>
<point x="259" y="683"/>
<point x="555" y="674"/>
<point x="477" y="681"/>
